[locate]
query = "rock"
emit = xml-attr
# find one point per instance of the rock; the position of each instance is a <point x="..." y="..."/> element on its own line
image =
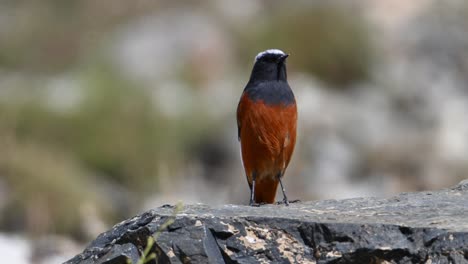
<point x="424" y="227"/>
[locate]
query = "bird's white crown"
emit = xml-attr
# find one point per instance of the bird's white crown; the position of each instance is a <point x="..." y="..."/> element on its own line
<point x="270" y="51"/>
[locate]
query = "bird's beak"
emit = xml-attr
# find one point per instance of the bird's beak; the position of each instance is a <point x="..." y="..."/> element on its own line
<point x="282" y="58"/>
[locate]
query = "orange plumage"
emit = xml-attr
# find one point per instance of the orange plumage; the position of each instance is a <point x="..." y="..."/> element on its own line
<point x="267" y="138"/>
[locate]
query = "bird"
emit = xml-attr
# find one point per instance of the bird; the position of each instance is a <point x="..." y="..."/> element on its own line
<point x="266" y="126"/>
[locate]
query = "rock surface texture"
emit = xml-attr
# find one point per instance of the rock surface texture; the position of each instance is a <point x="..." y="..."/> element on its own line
<point x="424" y="227"/>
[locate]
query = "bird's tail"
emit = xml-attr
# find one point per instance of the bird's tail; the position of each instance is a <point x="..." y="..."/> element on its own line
<point x="265" y="190"/>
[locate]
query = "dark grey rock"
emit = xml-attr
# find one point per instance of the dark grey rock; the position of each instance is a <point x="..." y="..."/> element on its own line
<point x="425" y="227"/>
<point x="120" y="254"/>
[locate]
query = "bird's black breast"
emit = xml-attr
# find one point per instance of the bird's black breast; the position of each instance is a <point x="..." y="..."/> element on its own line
<point x="271" y="93"/>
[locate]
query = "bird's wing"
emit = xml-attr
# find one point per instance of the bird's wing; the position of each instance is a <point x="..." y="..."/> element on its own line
<point x="240" y="109"/>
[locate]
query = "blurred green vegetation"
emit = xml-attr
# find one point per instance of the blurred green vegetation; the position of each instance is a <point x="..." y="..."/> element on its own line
<point x="327" y="39"/>
<point x="52" y="157"/>
<point x="47" y="189"/>
<point x="53" y="36"/>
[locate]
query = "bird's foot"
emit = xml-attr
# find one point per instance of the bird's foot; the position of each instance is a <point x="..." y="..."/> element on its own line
<point x="287" y="202"/>
<point x="284" y="201"/>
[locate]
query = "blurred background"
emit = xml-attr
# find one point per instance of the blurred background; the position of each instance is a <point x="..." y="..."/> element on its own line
<point x="111" y="107"/>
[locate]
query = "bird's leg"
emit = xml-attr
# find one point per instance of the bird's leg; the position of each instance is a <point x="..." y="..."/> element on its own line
<point x="252" y="190"/>
<point x="285" y="198"/>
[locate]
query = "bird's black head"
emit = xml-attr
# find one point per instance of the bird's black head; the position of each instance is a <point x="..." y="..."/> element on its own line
<point x="270" y="65"/>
